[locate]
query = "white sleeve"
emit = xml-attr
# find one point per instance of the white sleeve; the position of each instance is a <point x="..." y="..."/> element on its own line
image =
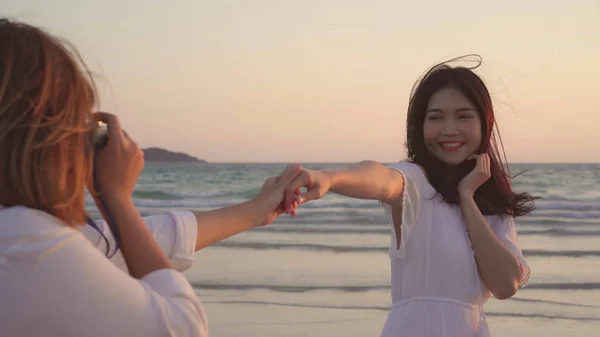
<point x="83" y="294"/>
<point x="175" y="233"/>
<point x="504" y="228"/>
<point x="411" y="204"/>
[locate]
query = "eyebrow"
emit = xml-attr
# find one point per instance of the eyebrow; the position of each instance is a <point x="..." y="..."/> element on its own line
<point x="464" y="109"/>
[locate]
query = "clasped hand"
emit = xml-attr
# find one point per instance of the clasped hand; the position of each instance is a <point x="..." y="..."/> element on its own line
<point x="283" y="194"/>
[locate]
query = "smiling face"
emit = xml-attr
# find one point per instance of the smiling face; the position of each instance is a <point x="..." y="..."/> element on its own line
<point x="452" y="126"/>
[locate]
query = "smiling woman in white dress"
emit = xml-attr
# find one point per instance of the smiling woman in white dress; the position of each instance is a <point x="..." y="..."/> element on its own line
<point x="450" y="206"/>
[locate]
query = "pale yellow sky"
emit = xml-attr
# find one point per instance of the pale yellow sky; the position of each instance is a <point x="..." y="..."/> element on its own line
<point x="328" y="81"/>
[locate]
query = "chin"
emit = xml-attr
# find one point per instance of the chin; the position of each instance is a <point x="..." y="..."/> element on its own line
<point x="452" y="161"/>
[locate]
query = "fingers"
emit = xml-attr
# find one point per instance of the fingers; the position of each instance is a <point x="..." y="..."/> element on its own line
<point x="126" y="135"/>
<point x="483" y="164"/>
<point x="294" y="205"/>
<point x="113" y="125"/>
<point x="270" y="181"/>
<point x="116" y="133"/>
<point x="483" y="159"/>
<point x="133" y="144"/>
<point x="292" y="178"/>
<point x="282" y="181"/>
<point x="289" y="174"/>
<point x="486" y="162"/>
<point x="480" y="164"/>
<point x="304" y="179"/>
<point x="308" y="196"/>
<point x="280" y="209"/>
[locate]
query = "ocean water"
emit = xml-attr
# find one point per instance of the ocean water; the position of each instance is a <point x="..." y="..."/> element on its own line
<point x="325" y="272"/>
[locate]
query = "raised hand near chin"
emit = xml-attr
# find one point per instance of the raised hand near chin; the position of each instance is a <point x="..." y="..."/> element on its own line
<point x="479" y="175"/>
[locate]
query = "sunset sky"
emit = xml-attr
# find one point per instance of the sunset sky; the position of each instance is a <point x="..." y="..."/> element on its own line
<point x="328" y="81"/>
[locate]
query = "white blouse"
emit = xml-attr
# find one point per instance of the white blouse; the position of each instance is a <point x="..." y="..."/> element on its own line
<point x="436" y="288"/>
<point x="56" y="281"/>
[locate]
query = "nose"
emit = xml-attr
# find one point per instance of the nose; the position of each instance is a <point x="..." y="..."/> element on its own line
<point x="449" y="129"/>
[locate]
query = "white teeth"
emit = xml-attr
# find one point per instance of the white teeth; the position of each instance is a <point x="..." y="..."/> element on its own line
<point x="454" y="144"/>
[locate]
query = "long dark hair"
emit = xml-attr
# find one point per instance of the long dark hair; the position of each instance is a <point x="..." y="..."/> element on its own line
<point x="493" y="197"/>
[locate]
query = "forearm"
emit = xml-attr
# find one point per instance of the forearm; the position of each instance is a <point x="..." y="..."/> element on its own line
<point x="219" y="224"/>
<point x="499" y="268"/>
<point x="367" y="180"/>
<point x="140" y="250"/>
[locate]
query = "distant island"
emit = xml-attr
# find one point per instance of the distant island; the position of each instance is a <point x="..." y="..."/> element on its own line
<point x="155" y="154"/>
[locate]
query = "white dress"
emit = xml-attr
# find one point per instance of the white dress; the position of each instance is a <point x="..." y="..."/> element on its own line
<point x="436" y="289"/>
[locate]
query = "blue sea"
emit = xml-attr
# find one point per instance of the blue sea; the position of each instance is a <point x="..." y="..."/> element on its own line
<point x="325" y="272"/>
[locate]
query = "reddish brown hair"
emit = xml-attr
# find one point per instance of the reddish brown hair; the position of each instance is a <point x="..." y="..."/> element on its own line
<point x="46" y="103"/>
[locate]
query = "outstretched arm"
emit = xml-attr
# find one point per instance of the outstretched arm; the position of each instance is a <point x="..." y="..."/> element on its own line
<point x="364" y="180"/>
<point x="219" y="224"/>
<point x="180" y="233"/>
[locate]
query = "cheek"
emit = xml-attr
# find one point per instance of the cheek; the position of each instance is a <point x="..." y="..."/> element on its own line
<point x="477" y="137"/>
<point x="472" y="131"/>
<point x="430" y="132"/>
<point x="476" y="133"/>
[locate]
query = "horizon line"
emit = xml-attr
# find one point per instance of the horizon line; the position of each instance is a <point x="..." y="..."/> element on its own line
<point x="384" y="162"/>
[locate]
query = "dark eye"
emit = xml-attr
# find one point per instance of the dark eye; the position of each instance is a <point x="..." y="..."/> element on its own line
<point x="433" y="117"/>
<point x="466" y="116"/>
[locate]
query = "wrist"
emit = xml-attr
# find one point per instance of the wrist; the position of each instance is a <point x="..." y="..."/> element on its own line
<point x="465" y="196"/>
<point x="117" y="200"/>
<point x="258" y="210"/>
<point x="330" y="178"/>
